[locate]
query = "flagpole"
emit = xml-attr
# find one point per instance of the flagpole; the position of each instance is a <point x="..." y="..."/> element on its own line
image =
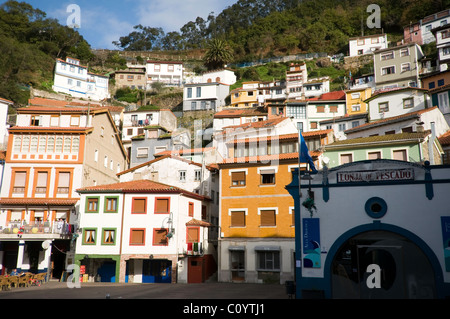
<point x="298" y="233"/>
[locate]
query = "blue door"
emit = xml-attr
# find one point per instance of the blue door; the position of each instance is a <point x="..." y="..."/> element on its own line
<point x="157" y="271"/>
<point x="107" y="271"/>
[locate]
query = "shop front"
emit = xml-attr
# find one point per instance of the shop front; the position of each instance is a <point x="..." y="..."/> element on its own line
<point x="373" y="230"/>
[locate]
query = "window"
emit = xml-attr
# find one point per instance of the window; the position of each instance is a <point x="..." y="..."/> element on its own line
<point x="383" y="107"/>
<point x="238" y="179"/>
<point x="137" y="236"/>
<point x="160" y="237"/>
<point x="139" y="206"/>
<point x="189" y="92"/>
<point x="404" y="52"/>
<point x="388" y="70"/>
<point x="63" y="183"/>
<point x="42" y="144"/>
<point x="89" y="235"/>
<point x="387" y="56"/>
<point x="355" y="124"/>
<point x="440" y="82"/>
<point x="182" y="176"/>
<point x="199" y="92"/>
<point x="333" y="108"/>
<point x="346" y="158"/>
<point x="35" y="120"/>
<point x="198" y="175"/>
<point x="191" y="209"/>
<point x="268" y="260"/>
<point x="74" y="121"/>
<point x="92" y="205"/>
<point x="408" y="103"/>
<point x="111" y="204"/>
<point x="237" y="265"/>
<point x="268" y="217"/>
<point x="193" y="235"/>
<point x="313" y="125"/>
<point x="443" y="102"/>
<point x="20" y="179"/>
<point x="59" y="144"/>
<point x="320" y="108"/>
<point x="237" y="219"/>
<point x="374" y="155"/>
<point x="268" y="177"/>
<point x="298" y="112"/>
<point x="162" y="205"/>
<point x="41" y="183"/>
<point x="406" y="67"/>
<point x="34" y="144"/>
<point x="67" y="144"/>
<point x="50" y="144"/>
<point x="399" y="155"/>
<point x="431" y="85"/>
<point x="105" y="161"/>
<point x="109" y="237"/>
<point x="342" y="127"/>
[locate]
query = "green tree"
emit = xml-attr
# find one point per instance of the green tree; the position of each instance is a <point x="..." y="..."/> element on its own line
<point x="218" y="54"/>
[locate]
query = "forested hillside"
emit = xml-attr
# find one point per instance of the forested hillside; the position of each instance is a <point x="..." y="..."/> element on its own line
<point x="263" y="28"/>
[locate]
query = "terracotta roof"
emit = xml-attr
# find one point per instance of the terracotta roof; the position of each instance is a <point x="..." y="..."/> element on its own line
<point x="161" y="158"/>
<point x="138" y="186"/>
<point x="266" y="158"/>
<point x="389" y="120"/>
<point x="444" y="139"/>
<point x="6" y="101"/>
<point x="69" y="105"/>
<point x="239" y="113"/>
<point x="390" y="90"/>
<point x="404" y="137"/>
<point x="196" y="222"/>
<point x="259" y="124"/>
<point x="335" y="95"/>
<point x="39" y="201"/>
<point x="53" y="129"/>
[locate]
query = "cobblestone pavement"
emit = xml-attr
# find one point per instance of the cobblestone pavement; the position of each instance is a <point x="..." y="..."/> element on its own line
<point x="210" y="290"/>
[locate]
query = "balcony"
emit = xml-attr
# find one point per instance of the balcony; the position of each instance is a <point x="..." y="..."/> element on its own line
<point x="22" y="229"/>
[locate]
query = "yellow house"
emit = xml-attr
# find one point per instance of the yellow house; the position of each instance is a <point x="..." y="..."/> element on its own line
<point x="245" y="96"/>
<point x="355" y="100"/>
<point x="257" y="233"/>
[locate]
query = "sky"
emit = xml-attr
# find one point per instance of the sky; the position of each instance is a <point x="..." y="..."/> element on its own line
<point x="104" y="21"/>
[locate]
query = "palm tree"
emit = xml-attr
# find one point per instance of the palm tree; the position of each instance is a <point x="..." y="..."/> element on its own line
<point x="218" y="54"/>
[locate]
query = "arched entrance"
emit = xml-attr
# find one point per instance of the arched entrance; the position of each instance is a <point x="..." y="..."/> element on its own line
<point x="381" y="264"/>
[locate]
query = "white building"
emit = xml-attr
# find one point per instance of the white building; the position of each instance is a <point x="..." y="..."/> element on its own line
<point x="4" y="105"/>
<point x="75" y="79"/>
<point x="442" y="36"/>
<point x="143" y="232"/>
<point x="369" y="237"/>
<point x="367" y="44"/>
<point x="170" y="73"/>
<point x="205" y="96"/>
<point x="431" y="22"/>
<point x="237" y="116"/>
<point x="396" y="101"/>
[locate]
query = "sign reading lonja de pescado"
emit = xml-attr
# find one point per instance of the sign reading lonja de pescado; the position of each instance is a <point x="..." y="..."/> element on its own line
<point x="376" y="176"/>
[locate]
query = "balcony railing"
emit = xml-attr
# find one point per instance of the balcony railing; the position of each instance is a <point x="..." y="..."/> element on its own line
<point x="33" y="228"/>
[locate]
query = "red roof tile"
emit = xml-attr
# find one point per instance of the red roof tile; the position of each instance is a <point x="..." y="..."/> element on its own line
<point x="196" y="222"/>
<point x="444" y="139"/>
<point x="39" y="201"/>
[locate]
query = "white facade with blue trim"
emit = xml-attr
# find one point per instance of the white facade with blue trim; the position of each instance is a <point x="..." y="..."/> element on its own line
<point x="374" y="229"/>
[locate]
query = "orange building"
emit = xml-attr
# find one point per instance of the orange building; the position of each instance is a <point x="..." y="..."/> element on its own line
<point x="256" y="242"/>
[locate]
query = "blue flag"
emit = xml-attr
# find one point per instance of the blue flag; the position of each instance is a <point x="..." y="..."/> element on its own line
<point x="304" y="153"/>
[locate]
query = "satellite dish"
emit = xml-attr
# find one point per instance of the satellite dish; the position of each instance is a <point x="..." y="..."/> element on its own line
<point x="46" y="244"/>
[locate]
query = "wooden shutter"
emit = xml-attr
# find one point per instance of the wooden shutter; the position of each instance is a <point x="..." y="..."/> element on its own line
<point x="193" y="235"/>
<point x="399" y="155"/>
<point x="268" y="218"/>
<point x="238" y="178"/>
<point x="139" y="205"/>
<point x="160" y="236"/>
<point x="238" y="219"/>
<point x="162" y="205"/>
<point x="137" y="236"/>
<point x="191" y="209"/>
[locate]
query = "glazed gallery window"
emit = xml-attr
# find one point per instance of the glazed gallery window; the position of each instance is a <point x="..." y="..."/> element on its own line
<point x="162" y="205"/>
<point x="238" y="178"/>
<point x="137" y="236"/>
<point x="237" y="219"/>
<point x="89" y="236"/>
<point x="109" y="237"/>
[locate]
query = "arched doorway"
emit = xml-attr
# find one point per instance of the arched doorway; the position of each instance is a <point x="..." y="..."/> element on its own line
<point x="381" y="264"/>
